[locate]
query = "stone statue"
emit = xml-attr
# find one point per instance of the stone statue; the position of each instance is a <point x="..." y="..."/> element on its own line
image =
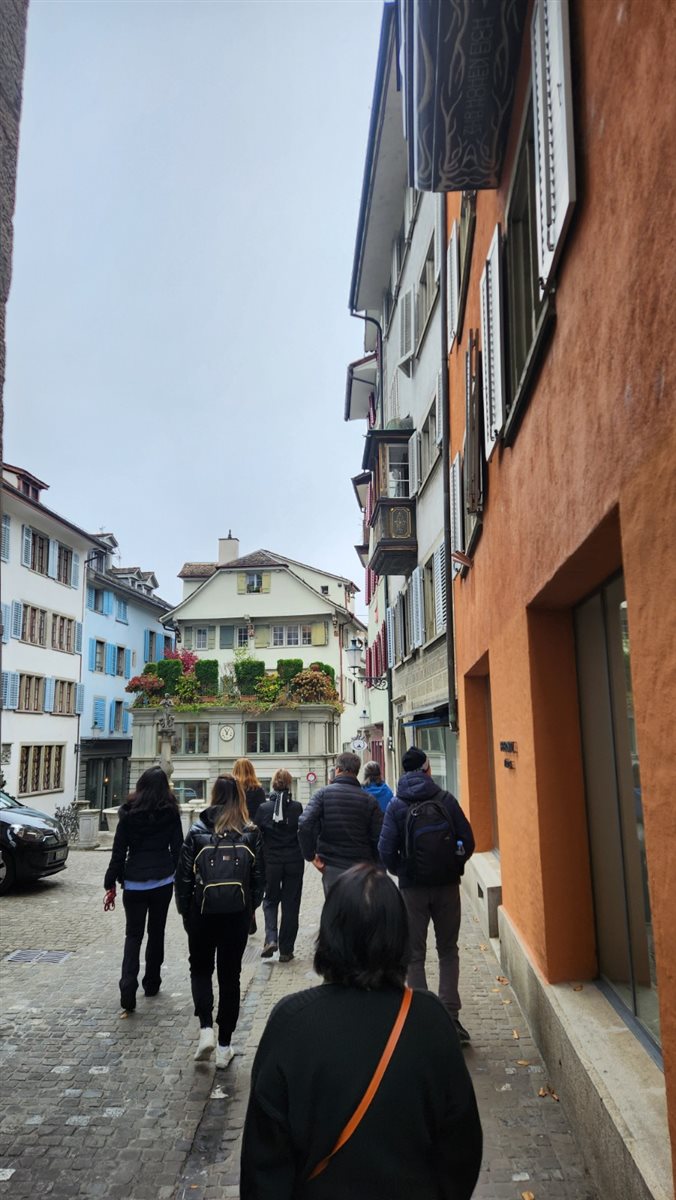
<point x="166" y="721"/>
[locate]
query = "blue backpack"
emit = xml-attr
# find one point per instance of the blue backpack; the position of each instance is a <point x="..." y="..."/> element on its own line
<point x="433" y="852"/>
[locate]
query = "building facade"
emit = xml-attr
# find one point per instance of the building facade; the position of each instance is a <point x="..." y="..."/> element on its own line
<point x="122" y="632"/>
<point x="43" y="572"/>
<point x="562" y="377"/>
<point x="14" y="16"/>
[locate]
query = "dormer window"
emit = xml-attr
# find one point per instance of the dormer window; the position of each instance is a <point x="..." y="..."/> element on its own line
<point x="254" y="581"/>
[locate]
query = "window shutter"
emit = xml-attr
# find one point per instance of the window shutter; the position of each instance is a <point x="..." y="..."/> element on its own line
<point x="439" y="410"/>
<point x="127" y="664"/>
<point x="493" y="345"/>
<point x="10" y="689"/>
<point x="146" y="645"/>
<point x="26" y="545"/>
<point x="453" y="284"/>
<point x="78" y="637"/>
<point x="6" y="610"/>
<point x="265" y="582"/>
<point x="75" y="571"/>
<point x="440" y="588"/>
<point x="241" y="582"/>
<point x="90" y="597"/>
<point x="399" y="628"/>
<point x="111" y="658"/>
<point x="473" y="462"/>
<point x="457" y="522"/>
<point x="108" y="601"/>
<point x="5" y="537"/>
<point x="52" y="557"/>
<point x="553" y="117"/>
<point x="413" y="464"/>
<point x="111" y="717"/>
<point x="417" y="592"/>
<point x="227" y="637"/>
<point x="92" y="654"/>
<point x="406" y="330"/>
<point x="125" y="720"/>
<point x="50" y="688"/>
<point x="389" y="632"/>
<point x="159" y="640"/>
<point x="396" y="264"/>
<point x="439" y="234"/>
<point x="17" y="618"/>
<point x="99" y="713"/>
<point x="79" y="698"/>
<point x="211" y="637"/>
<point x="187" y="637"/>
<point x="262" y="636"/>
<point x="319" y="633"/>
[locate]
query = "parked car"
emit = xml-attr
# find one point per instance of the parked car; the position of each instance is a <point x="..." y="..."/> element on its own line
<point x="31" y="843"/>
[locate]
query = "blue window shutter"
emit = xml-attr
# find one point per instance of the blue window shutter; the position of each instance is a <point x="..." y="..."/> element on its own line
<point x="5" y="537"/>
<point x="79" y="698"/>
<point x="90" y="597"/>
<point x="111" y="657"/>
<point x="92" y="654"/>
<point x="75" y="571"/>
<point x="108" y="601"/>
<point x="146" y="645"/>
<point x="17" y="618"/>
<point x="6" y="610"/>
<point x="127" y="664"/>
<point x="78" y="637"/>
<point x="5" y="689"/>
<point x="111" y="719"/>
<point x="50" y="686"/>
<point x="99" y="713"/>
<point x="52" y="558"/>
<point x="125" y="721"/>
<point x="13" y="689"/>
<point x="160" y="647"/>
<point x="26" y="545"/>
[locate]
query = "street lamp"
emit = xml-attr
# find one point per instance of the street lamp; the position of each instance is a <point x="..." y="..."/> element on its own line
<point x="353" y="655"/>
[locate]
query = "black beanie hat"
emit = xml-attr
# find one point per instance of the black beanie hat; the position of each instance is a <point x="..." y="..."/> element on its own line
<point x="414" y="759"/>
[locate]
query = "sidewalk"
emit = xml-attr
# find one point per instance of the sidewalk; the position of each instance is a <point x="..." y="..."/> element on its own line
<point x="96" y="1106"/>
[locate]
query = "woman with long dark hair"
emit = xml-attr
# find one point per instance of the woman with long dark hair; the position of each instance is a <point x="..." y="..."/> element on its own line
<point x="219" y="884"/>
<point x="359" y="1086"/>
<point x="245" y="774"/>
<point x="277" y="819"/>
<point x="145" y="852"/>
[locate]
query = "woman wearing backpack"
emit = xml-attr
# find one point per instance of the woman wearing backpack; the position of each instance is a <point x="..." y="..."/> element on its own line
<point x="245" y="773"/>
<point x="277" y="819"/>
<point x="219" y="884"/>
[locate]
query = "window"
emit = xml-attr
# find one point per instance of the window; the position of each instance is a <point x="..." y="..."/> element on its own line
<point x="242" y="636"/>
<point x="99" y="656"/>
<point x="523" y="289"/>
<point x="292" y="638"/>
<point x="97" y="560"/>
<point x="63" y="633"/>
<point x="34" y="625"/>
<point x="254" y="581"/>
<point x="119" y="660"/>
<point x="31" y="693"/>
<point x="306" y="635"/>
<point x="272" y="737"/>
<point x="278" y="635"/>
<point x="192" y="738"/>
<point x="428" y="445"/>
<point x="64" y="564"/>
<point x="118" y="716"/>
<point x="95" y="599"/>
<point x="473" y="459"/>
<point x="293" y="635"/>
<point x="64" y="697"/>
<point x="393" y="470"/>
<point x="151" y="645"/>
<point x="39" y="553"/>
<point x="426" y="294"/>
<point x="121" y="613"/>
<point x="40" y="769"/>
<point x="325" y="589"/>
<point x="201" y="638"/>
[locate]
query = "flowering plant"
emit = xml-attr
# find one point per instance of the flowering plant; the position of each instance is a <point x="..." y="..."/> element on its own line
<point x="150" y="684"/>
<point x="185" y="657"/>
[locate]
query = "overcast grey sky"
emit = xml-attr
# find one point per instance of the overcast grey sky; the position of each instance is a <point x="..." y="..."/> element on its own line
<point x="178" y="334"/>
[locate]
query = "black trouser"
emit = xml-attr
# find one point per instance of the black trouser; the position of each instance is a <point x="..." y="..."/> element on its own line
<point x="224" y="939"/>
<point x="283" y="884"/>
<point x="153" y="903"/>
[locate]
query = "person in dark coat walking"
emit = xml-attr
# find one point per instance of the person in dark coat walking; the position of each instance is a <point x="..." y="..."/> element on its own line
<point x="341" y="824"/>
<point x="145" y="852"/>
<point x="277" y="819"/>
<point x="439" y="899"/>
<point x="420" y="1138"/>
<point x="216" y="935"/>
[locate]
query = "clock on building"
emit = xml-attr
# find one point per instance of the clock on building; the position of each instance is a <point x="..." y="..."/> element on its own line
<point x="226" y="733"/>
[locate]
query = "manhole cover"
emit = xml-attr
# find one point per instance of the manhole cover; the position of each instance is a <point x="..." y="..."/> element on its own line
<point x="32" y="956"/>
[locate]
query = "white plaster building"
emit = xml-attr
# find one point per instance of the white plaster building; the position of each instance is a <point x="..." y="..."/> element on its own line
<point x="272" y="607"/>
<point x="43" y="591"/>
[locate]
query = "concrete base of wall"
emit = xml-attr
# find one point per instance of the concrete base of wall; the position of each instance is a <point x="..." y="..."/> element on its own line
<point x="482" y="886"/>
<point x="613" y="1091"/>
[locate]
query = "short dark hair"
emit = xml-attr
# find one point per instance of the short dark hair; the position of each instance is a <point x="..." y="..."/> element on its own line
<point x="414" y="759"/>
<point x="153" y="792"/>
<point x="363" y="932"/>
<point x="348" y="762"/>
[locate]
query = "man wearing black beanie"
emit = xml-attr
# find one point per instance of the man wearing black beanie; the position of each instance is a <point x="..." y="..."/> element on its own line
<point x="426" y="840"/>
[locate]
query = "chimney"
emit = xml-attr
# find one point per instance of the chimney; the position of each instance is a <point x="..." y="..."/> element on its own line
<point x="228" y="549"/>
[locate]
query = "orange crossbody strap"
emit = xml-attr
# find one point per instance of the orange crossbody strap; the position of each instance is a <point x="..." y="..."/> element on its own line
<point x="373" y="1086"/>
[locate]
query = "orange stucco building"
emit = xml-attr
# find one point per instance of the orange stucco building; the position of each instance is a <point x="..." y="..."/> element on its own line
<point x="565" y="611"/>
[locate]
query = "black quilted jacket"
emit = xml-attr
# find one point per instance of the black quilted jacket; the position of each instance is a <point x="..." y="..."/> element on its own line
<point x="146" y="845"/>
<point x="201" y="834"/>
<point x="341" y="824"/>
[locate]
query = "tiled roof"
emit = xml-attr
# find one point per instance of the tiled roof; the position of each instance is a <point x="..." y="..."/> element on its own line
<point x="191" y="570"/>
<point x="259" y="558"/>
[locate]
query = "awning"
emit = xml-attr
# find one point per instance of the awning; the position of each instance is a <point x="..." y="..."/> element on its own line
<point x="361" y="484"/>
<point x="435" y="715"/>
<point x="360" y="388"/>
<point x="460" y="61"/>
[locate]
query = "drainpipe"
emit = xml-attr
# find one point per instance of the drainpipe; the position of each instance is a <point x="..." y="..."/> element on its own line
<point x="446" y="469"/>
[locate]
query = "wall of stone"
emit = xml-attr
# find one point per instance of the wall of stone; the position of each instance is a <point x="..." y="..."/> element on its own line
<point x="12" y="48"/>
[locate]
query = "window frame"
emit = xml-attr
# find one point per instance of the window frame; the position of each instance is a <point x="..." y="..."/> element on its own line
<point x="253" y="588"/>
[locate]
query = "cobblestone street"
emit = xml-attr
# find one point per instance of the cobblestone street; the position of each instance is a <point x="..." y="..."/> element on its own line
<point x="95" y="1105"/>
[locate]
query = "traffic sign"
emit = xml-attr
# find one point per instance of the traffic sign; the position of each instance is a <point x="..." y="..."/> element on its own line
<point x="311" y="777"/>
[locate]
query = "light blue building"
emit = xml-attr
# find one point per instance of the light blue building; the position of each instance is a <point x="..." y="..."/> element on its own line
<point x="122" y="632"/>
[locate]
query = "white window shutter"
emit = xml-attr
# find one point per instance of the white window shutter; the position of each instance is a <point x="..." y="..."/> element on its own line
<point x="6" y="522"/>
<point x="439" y="410"/>
<point x="453" y="284"/>
<point x="553" y="118"/>
<point x="6" y="610"/>
<point x="50" y="688"/>
<point x="75" y="571"/>
<point x="457" y="522"/>
<point x="417" y="597"/>
<point x="440" y="588"/>
<point x="17" y="618"/>
<point x="26" y="545"/>
<point x="389" y="628"/>
<point x="52" y="558"/>
<point x="493" y="345"/>
<point x="413" y="464"/>
<point x="439" y="234"/>
<point x="406" y="325"/>
<point x="79" y="698"/>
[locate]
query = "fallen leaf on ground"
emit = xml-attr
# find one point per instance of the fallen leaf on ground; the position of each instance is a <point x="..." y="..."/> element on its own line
<point x="516" y="1034"/>
<point x="501" y="979"/>
<point x="527" y="1196"/>
<point x="495" y="989"/>
<point x="577" y="987"/>
<point x="547" y="1091"/>
<point x="522" y="1062"/>
<point x="506" y="1001"/>
<point x="483" y="946"/>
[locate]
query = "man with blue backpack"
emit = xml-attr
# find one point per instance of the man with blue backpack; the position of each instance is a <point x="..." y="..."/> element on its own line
<point x="426" y="840"/>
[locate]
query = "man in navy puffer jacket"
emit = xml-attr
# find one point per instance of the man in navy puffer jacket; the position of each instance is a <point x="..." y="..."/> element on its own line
<point x="438" y="900"/>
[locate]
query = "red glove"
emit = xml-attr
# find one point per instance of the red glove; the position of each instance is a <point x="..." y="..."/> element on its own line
<point x="109" y="899"/>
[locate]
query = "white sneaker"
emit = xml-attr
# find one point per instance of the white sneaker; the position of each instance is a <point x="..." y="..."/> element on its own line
<point x="224" y="1056"/>
<point x="206" y="1044"/>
